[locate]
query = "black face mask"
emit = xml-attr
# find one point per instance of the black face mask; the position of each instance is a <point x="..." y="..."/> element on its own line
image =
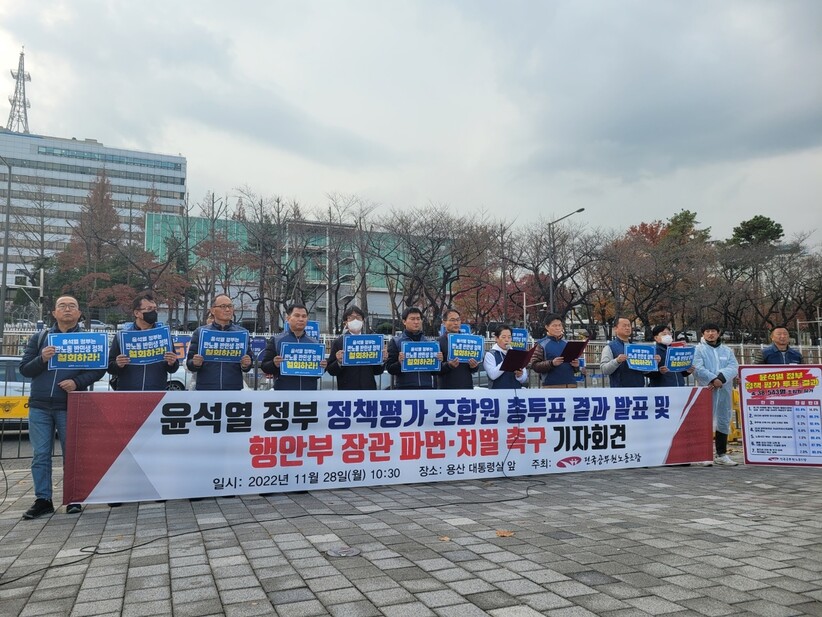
<point x="150" y="317"/>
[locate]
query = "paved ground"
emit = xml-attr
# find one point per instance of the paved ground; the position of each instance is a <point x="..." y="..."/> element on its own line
<point x="664" y="541"/>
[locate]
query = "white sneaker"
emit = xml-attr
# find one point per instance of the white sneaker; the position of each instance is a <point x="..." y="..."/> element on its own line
<point x="724" y="459"/>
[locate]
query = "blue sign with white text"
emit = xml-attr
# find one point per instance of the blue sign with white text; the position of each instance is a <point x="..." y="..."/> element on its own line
<point x="312" y="329"/>
<point x="223" y="345"/>
<point x="641" y="357"/>
<point x="362" y="349"/>
<point x="87" y="350"/>
<point x="420" y="356"/>
<point x="302" y="359"/>
<point x="519" y="338"/>
<point x="465" y="347"/>
<point x="145" y="346"/>
<point x="679" y="359"/>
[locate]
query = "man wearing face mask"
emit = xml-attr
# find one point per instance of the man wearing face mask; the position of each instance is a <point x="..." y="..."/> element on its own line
<point x="663" y="378"/>
<point x="352" y="377"/>
<point x="145" y="376"/>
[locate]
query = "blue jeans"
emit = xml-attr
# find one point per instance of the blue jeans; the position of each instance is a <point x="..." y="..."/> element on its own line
<point x="42" y="424"/>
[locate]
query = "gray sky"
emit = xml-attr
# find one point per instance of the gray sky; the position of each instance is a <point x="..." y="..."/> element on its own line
<point x="633" y="110"/>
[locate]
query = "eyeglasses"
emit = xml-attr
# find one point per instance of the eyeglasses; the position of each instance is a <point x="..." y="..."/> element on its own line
<point x="66" y="307"/>
<point x="225" y="307"/>
<point x="453" y="319"/>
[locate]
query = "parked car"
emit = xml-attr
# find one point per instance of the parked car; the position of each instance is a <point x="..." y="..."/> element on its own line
<point x="94" y="324"/>
<point x="14" y="393"/>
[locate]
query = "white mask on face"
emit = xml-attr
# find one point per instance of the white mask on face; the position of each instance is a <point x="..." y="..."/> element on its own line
<point x="666" y="339"/>
<point x="355" y="325"/>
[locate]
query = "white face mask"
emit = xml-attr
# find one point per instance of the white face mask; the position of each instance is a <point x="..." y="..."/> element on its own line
<point x="355" y="325"/>
<point x="666" y="339"/>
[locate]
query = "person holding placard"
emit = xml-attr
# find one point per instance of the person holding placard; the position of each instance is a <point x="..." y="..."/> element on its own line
<point x="613" y="361"/>
<point x="410" y="380"/>
<point x="548" y="359"/>
<point x="665" y="378"/>
<point x="272" y="358"/>
<point x="142" y="377"/>
<point x="494" y="358"/>
<point x="48" y="402"/>
<point x="355" y="376"/>
<point x="455" y="375"/>
<point x="213" y="374"/>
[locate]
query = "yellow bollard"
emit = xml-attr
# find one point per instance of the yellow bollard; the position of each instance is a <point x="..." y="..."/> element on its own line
<point x="736" y="419"/>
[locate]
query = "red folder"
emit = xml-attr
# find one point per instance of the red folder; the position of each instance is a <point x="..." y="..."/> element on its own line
<point x="516" y="359"/>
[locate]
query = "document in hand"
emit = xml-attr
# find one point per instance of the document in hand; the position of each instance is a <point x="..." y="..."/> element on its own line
<point x="516" y="359"/>
<point x="573" y="350"/>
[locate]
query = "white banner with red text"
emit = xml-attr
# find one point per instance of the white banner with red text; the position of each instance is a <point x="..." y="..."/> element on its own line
<point x="138" y="446"/>
<point x="782" y="414"/>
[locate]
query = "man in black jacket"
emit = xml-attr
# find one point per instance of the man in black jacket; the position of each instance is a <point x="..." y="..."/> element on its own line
<point x="415" y="380"/>
<point x="360" y="377"/>
<point x="48" y="402"/>
<point x="455" y="375"/>
<point x="141" y="377"/>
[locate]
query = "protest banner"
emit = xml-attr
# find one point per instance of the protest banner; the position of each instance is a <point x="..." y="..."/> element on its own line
<point x="141" y="446"/>
<point x="519" y="338"/>
<point x="781" y="408"/>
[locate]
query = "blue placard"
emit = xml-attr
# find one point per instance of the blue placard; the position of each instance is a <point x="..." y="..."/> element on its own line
<point x="362" y="349"/>
<point x="641" y="357"/>
<point x="223" y="345"/>
<point x="679" y="359"/>
<point x="181" y="343"/>
<point x="312" y="329"/>
<point x="258" y="344"/>
<point x="302" y="359"/>
<point x="145" y="346"/>
<point x="76" y="350"/>
<point x="465" y="347"/>
<point x="580" y="377"/>
<point x="519" y="338"/>
<point x="420" y="356"/>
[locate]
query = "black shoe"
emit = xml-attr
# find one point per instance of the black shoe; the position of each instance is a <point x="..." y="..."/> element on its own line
<point x="40" y="507"/>
<point x="115" y="505"/>
<point x="74" y="508"/>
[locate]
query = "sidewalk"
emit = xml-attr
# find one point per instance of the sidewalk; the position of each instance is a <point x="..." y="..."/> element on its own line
<point x="661" y="541"/>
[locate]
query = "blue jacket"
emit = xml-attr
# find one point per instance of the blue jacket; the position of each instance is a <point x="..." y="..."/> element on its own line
<point x="664" y="380"/>
<point x="771" y="355"/>
<point x="414" y="380"/>
<point x="216" y="375"/>
<point x="45" y="393"/>
<point x="506" y="381"/>
<point x="141" y="377"/>
<point x="272" y="349"/>
<point x="624" y="377"/>
<point x="543" y="363"/>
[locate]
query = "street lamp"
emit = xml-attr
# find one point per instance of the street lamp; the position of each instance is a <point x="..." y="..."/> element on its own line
<point x="3" y="285"/>
<point x="527" y="306"/>
<point x="553" y="254"/>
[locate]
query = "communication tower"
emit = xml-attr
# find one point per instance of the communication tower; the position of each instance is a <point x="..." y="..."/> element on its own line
<point x="18" y="116"/>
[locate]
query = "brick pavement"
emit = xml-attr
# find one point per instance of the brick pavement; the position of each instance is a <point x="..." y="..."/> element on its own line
<point x="664" y="541"/>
